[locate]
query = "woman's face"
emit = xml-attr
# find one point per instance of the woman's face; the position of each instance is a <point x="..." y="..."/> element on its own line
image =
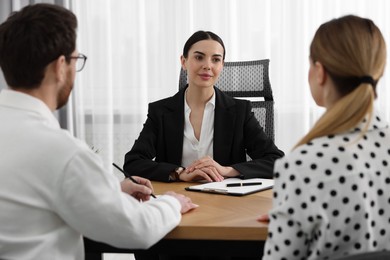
<point x="204" y="63"/>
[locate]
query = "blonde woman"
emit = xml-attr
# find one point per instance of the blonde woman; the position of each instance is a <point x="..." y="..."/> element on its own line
<point x="330" y="193"/>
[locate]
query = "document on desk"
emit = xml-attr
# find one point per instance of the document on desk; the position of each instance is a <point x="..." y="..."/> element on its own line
<point x="234" y="186"/>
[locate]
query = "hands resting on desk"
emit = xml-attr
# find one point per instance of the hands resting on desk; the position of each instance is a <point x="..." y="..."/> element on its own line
<point x="186" y="203"/>
<point x="207" y="169"/>
<point x="144" y="189"/>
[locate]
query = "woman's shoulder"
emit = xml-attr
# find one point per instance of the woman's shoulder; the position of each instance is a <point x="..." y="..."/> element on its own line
<point x="170" y="102"/>
<point x="321" y="153"/>
<point x="161" y="101"/>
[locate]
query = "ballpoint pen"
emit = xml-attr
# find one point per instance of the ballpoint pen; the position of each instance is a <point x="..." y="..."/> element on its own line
<point x="243" y="184"/>
<point x="131" y="178"/>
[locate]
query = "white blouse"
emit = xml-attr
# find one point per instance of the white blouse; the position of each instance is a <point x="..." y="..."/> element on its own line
<point x="193" y="149"/>
<point x="331" y="197"/>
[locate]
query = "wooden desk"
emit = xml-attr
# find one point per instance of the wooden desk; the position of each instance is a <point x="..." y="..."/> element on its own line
<point x="221" y="224"/>
<point x="220" y="217"/>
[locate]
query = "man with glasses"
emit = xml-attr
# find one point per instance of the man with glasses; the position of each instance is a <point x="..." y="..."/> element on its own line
<point x="80" y="61"/>
<point x="53" y="189"/>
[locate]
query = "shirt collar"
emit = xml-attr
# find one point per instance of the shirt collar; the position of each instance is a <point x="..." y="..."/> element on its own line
<point x="187" y="108"/>
<point x="18" y="100"/>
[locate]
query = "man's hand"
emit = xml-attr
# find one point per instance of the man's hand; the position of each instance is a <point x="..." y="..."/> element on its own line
<point x="186" y="203"/>
<point x="141" y="191"/>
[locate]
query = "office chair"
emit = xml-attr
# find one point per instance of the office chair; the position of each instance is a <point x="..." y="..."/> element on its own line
<point x="248" y="80"/>
<point x="380" y="255"/>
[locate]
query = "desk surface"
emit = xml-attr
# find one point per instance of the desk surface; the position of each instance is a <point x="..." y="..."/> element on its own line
<point x="222" y="225"/>
<point x="220" y="217"/>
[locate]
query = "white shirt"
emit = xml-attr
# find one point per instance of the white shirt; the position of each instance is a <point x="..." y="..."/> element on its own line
<point x="53" y="189"/>
<point x="193" y="149"/>
<point x="331" y="197"/>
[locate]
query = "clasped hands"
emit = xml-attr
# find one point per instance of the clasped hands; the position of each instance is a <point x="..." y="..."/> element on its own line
<point x="207" y="169"/>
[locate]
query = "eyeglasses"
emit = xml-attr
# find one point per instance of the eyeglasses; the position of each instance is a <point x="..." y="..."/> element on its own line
<point x="80" y="61"/>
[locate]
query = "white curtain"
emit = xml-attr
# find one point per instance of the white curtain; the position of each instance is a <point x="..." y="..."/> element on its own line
<point x="133" y="49"/>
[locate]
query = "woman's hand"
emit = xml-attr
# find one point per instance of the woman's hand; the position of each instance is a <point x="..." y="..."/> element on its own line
<point x="213" y="169"/>
<point x="263" y="218"/>
<point x="209" y="174"/>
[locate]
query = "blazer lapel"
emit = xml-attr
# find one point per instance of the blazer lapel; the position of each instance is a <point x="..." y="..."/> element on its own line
<point x="224" y="121"/>
<point x="173" y="125"/>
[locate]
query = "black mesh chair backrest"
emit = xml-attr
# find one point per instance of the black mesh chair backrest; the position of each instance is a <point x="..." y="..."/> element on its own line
<point x="249" y="80"/>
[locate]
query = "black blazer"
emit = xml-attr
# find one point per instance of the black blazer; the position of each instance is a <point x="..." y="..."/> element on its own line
<point x="158" y="149"/>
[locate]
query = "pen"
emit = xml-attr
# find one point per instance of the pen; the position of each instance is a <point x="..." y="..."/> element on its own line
<point x="131" y="178"/>
<point x="243" y="184"/>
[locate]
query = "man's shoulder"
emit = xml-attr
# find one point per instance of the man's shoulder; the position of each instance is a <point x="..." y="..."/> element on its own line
<point x="58" y="140"/>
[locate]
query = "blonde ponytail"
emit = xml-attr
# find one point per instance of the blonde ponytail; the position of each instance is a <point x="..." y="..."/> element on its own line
<point x="354" y="59"/>
<point x="344" y="115"/>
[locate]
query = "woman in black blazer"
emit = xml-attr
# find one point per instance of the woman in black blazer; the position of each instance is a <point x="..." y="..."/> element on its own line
<point x="201" y="133"/>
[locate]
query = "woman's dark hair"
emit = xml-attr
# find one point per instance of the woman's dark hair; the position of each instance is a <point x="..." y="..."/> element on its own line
<point x="200" y="36"/>
<point x="32" y="38"/>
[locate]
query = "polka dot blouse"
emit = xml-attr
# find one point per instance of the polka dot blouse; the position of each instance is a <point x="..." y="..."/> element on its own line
<point x="332" y="197"/>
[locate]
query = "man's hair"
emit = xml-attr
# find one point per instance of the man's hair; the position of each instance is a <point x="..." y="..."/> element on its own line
<point x="32" y="38"/>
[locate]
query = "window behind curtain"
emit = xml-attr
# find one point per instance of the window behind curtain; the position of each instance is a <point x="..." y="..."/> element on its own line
<point x="134" y="46"/>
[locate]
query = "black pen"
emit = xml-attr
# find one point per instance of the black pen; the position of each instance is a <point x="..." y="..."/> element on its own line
<point x="243" y="184"/>
<point x="131" y="178"/>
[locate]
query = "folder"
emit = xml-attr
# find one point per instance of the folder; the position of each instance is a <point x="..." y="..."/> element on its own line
<point x="244" y="187"/>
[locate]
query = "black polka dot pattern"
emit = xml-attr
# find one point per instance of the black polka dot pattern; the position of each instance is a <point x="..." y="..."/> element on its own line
<point x="331" y="196"/>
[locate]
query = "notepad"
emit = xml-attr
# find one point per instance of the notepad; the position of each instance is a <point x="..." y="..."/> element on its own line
<point x="221" y="188"/>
